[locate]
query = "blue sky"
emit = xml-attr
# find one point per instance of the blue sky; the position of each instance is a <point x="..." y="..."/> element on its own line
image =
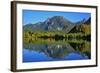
<point x="33" y="16"/>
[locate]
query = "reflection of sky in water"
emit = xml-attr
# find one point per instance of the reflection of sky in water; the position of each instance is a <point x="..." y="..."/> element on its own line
<point x="75" y="56"/>
<point x="33" y="56"/>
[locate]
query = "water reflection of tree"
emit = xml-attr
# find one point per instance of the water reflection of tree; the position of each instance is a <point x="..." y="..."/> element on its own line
<point x="84" y="47"/>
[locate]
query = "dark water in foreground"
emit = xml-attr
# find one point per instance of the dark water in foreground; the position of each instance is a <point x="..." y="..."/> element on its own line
<point x="56" y="51"/>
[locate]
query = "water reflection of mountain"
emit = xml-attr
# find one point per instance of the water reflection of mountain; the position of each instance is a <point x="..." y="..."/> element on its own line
<point x="59" y="51"/>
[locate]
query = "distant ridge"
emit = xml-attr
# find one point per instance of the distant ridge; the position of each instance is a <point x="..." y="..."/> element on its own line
<point x="55" y="23"/>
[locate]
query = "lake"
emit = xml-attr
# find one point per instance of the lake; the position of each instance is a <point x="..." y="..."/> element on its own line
<point x="41" y="50"/>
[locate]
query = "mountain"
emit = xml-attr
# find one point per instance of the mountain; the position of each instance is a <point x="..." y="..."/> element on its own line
<point x="80" y="22"/>
<point x="55" y="23"/>
<point x="88" y="21"/>
<point x="58" y="23"/>
<point x="82" y="26"/>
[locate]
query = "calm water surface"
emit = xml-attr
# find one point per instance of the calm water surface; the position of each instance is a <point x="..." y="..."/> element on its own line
<point x="38" y="52"/>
